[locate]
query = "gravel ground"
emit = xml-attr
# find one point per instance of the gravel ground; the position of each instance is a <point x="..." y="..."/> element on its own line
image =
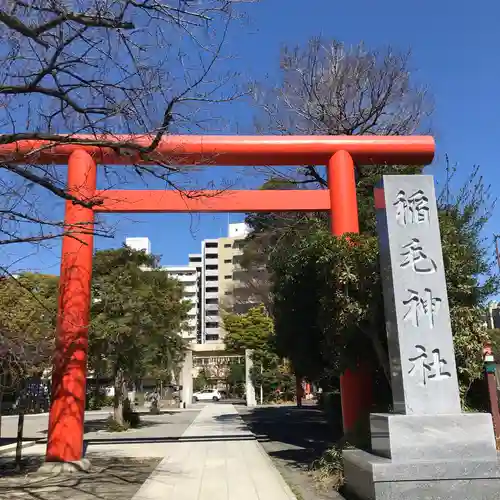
<point x="108" y="479"/>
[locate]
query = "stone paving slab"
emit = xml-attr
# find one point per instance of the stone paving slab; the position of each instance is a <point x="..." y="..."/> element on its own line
<point x="217" y="458"/>
<point x="148" y="441"/>
<point x="36" y="425"/>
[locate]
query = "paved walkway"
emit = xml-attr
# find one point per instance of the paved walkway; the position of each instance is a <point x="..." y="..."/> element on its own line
<point x="217" y="458"/>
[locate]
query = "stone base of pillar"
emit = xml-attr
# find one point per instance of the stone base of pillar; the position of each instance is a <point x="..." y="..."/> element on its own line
<point x="445" y="457"/>
<point x="52" y="468"/>
<point x="370" y="477"/>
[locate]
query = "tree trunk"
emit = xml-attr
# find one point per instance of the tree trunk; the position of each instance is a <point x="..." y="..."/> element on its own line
<point x="119" y="396"/>
<point x="97" y="389"/>
<point x="298" y="390"/>
<point x="1" y="408"/>
<point x="19" y="440"/>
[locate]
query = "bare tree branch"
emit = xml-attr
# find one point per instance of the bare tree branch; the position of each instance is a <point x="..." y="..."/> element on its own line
<point x="102" y="68"/>
<point x="330" y="89"/>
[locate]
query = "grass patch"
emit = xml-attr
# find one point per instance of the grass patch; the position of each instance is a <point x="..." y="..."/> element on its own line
<point x="328" y="470"/>
<point x="131" y="420"/>
<point x="113" y="426"/>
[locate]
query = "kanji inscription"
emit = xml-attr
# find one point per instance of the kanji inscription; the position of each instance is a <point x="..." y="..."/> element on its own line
<point x="425" y="369"/>
<point x="419" y="337"/>
<point x="420" y="306"/>
<point x="415" y="258"/>
<point x="413" y="209"/>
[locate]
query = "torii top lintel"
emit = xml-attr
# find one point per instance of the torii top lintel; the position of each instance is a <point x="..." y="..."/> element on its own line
<point x="225" y="150"/>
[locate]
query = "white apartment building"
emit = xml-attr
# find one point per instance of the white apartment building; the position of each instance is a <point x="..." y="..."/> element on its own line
<point x="189" y="278"/>
<point x="208" y="280"/>
<point x="218" y="262"/>
<point x="195" y="262"/>
<point x="138" y="244"/>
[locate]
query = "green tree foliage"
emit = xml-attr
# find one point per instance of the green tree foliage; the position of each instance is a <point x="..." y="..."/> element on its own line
<point x="235" y="379"/>
<point x="137" y="315"/>
<point x="324" y="292"/>
<point x="328" y="303"/>
<point x="28" y="308"/>
<point x="253" y="330"/>
<point x="202" y="380"/>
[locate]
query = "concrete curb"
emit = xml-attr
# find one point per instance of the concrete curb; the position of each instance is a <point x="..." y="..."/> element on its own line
<point x="276" y="472"/>
<point x="25" y="444"/>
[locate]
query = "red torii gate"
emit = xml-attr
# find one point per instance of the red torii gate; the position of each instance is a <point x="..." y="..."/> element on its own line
<point x="338" y="153"/>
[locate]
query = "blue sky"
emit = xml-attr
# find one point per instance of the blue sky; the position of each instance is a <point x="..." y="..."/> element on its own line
<point x="455" y="53"/>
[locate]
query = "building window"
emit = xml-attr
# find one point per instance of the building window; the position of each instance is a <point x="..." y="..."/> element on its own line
<point x="212" y="337"/>
<point x="227" y="261"/>
<point x="211" y="244"/>
<point x="211" y="278"/>
<point x="212" y="324"/>
<point x="227" y="277"/>
<point x="211" y="301"/>
<point x="212" y="267"/>
<point x="227" y="245"/>
<point x="212" y="256"/>
<point x="195" y="259"/>
<point x="212" y="289"/>
<point x="227" y="293"/>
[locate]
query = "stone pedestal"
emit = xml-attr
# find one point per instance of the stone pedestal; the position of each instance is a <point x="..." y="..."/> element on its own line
<point x="371" y="477"/>
<point x="187" y="379"/>
<point x="249" y="387"/>
<point x="428" y="449"/>
<point x="445" y="457"/>
<point x="55" y="468"/>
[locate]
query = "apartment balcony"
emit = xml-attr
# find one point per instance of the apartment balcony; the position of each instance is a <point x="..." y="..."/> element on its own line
<point x="191" y="288"/>
<point x="212" y="318"/>
<point x="211" y="272"/>
<point x="189" y="336"/>
<point x="211" y="295"/>
<point x="211" y="308"/>
<point x="212" y="334"/>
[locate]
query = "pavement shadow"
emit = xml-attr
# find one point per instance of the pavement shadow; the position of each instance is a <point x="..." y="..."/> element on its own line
<point x="102" y="426"/>
<point x="11" y="440"/>
<point x="228" y="417"/>
<point x="180" y="439"/>
<point x="107" y="478"/>
<point x="297" y="436"/>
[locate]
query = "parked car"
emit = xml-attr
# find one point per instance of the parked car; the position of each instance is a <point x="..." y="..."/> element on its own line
<point x="207" y="395"/>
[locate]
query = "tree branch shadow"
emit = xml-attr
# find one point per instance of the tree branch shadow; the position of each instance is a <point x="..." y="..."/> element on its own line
<point x="108" y="478"/>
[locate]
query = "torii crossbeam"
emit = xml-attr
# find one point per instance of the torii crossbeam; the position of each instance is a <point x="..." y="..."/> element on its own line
<point x="82" y="154"/>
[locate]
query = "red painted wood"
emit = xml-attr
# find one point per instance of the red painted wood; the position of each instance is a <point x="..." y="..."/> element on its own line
<point x="227" y="150"/>
<point x="65" y="435"/>
<point x="213" y="201"/>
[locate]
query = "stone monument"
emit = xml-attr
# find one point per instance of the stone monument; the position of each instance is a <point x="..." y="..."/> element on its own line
<point x="249" y="387"/>
<point x="187" y="379"/>
<point x="427" y="449"/>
